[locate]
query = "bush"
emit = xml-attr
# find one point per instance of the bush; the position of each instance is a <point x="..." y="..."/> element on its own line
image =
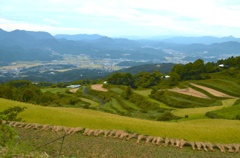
<point x="166" y="116"/>
<point x="211" y="115"/>
<point x="238" y="117"/>
<point x="7" y="134"/>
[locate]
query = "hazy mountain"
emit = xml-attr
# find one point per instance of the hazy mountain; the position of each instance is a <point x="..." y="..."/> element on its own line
<point x="25" y="39"/>
<point x="201" y="40"/>
<point x="28" y="45"/>
<point x="21" y="45"/>
<point x="79" y="37"/>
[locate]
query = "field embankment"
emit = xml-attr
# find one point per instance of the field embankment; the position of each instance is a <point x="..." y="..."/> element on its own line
<point x="213" y="91"/>
<point x="189" y="91"/>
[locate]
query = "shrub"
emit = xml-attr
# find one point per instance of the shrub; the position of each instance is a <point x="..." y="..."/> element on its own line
<point x="7" y="133"/>
<point x="238" y="117"/>
<point x="211" y="115"/>
<point x="166" y="116"/>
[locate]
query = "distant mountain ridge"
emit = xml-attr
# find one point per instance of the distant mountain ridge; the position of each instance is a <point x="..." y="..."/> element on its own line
<point x="21" y="45"/>
<point x="79" y="37"/>
<point x="203" y="40"/>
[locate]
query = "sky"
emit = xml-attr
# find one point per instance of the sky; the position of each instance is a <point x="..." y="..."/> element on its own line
<point x="118" y="18"/>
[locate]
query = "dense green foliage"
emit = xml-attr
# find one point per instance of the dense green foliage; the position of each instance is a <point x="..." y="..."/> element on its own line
<point x="25" y="91"/>
<point x="7" y="133"/>
<point x="198" y="70"/>
<point x="105" y="96"/>
<point x="141" y="80"/>
<point x="145" y="67"/>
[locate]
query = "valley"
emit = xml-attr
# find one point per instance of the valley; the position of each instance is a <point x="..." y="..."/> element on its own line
<point x="153" y="90"/>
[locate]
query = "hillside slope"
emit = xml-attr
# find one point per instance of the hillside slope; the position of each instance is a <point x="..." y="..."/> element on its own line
<point x="224" y="131"/>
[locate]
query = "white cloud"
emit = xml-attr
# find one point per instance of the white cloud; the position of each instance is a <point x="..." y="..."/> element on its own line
<point x="201" y="17"/>
<point x="10" y="25"/>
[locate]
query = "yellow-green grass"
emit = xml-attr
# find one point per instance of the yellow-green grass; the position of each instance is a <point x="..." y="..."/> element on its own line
<point x="116" y="106"/>
<point x="93" y="103"/>
<point x="146" y="94"/>
<point x="198" y="113"/>
<point x="216" y="130"/>
<point x="54" y="90"/>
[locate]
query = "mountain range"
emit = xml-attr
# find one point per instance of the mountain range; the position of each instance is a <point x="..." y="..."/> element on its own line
<point x="20" y="45"/>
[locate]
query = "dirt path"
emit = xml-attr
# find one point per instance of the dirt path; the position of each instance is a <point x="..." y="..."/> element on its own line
<point x="99" y="87"/>
<point x="85" y="91"/>
<point x="189" y="91"/>
<point x="212" y="91"/>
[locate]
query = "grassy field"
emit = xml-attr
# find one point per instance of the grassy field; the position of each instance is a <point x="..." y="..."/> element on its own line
<point x="199" y="113"/>
<point x="213" y="130"/>
<point x="146" y="93"/>
<point x="55" y="90"/>
<point x="93" y="104"/>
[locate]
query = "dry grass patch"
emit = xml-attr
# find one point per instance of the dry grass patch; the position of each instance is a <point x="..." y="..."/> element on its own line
<point x="212" y="91"/>
<point x="98" y="87"/>
<point x="189" y="91"/>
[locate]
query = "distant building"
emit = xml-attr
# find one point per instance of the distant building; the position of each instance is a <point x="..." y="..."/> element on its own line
<point x="221" y="65"/>
<point x="166" y="77"/>
<point x="74" y="86"/>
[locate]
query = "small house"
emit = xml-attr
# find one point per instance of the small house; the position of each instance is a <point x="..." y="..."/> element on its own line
<point x="74" y="86"/>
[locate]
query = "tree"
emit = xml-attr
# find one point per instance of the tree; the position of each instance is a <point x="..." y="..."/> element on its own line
<point x="7" y="133"/>
<point x="127" y="93"/>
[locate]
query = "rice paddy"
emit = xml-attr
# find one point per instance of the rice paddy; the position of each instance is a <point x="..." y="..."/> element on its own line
<point x="219" y="130"/>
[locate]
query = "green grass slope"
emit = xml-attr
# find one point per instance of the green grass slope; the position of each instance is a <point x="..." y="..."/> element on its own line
<point x="213" y="130"/>
<point x="223" y="83"/>
<point x="229" y="112"/>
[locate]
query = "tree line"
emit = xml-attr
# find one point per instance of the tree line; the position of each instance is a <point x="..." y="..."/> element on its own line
<point x="26" y="91"/>
<point x="197" y="70"/>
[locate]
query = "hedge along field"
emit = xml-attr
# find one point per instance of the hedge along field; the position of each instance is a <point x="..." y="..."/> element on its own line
<point x="223" y="85"/>
<point x="213" y="130"/>
<point x="178" y="100"/>
<point x="146" y="93"/>
<point x="198" y="113"/>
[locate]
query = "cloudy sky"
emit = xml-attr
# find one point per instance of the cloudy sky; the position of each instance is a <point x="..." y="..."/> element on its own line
<point x="118" y="18"/>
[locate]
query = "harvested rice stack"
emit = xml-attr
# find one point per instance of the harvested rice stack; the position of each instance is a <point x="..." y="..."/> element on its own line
<point x="124" y="134"/>
<point x="221" y="147"/>
<point x="140" y="137"/>
<point x="166" y="142"/>
<point x="236" y="146"/>
<point x="149" y="138"/>
<point x="179" y="143"/>
<point x="130" y="136"/>
<point x="112" y="132"/>
<point x="210" y="146"/>
<point x="182" y="143"/>
<point x="118" y="133"/>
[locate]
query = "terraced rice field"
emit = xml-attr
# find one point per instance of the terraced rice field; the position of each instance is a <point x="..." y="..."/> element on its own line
<point x="222" y="131"/>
